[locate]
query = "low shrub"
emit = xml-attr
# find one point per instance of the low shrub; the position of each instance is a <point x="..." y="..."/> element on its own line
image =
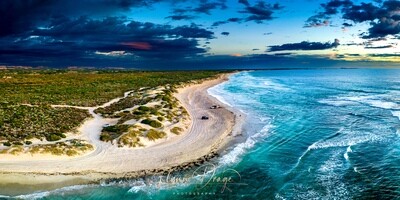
<point x="8" y="144"/>
<point x="176" y="130"/>
<point x="152" y="123"/>
<point x="154" y="134"/>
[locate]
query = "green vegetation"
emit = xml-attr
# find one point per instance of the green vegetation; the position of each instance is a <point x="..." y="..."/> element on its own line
<point x="20" y="122"/>
<point x="130" y="139"/>
<point x="153" y="134"/>
<point x="70" y="147"/>
<point x="128" y="102"/>
<point x="94" y="88"/>
<point x="110" y="133"/>
<point x="152" y="123"/>
<point x="144" y="108"/>
<point x="26" y="96"/>
<point x="55" y="136"/>
<point x="7" y="144"/>
<point x="176" y="130"/>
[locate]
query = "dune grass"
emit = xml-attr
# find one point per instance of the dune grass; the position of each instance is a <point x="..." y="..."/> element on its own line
<point x="153" y="134"/>
<point x="176" y="130"/>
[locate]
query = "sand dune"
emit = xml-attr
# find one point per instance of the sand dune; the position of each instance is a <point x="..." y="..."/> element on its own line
<point x="203" y="137"/>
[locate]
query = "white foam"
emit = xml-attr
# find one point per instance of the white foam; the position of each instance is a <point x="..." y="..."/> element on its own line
<point x="269" y="84"/>
<point x="42" y="194"/>
<point x="33" y="196"/>
<point x="349" y="140"/>
<point x="373" y="101"/>
<point x="396" y="114"/>
<point x="382" y="104"/>
<point x="346" y="154"/>
<point x="218" y="93"/>
<point x="337" y="103"/>
<point x="356" y="98"/>
<point x="312" y="146"/>
<point x="234" y="155"/>
<point x="139" y="185"/>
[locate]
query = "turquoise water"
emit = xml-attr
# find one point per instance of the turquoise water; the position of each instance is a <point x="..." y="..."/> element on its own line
<point x="311" y="134"/>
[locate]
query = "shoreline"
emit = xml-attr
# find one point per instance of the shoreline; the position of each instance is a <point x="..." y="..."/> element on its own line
<point x="204" y="140"/>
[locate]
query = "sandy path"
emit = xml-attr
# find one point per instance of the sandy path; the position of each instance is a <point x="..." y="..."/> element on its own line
<point x="202" y="137"/>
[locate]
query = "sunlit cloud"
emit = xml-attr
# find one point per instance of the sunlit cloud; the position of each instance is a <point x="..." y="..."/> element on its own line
<point x="236" y="55"/>
<point x="138" y="45"/>
<point x="113" y="53"/>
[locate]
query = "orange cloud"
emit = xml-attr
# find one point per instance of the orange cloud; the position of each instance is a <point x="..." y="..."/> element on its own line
<point x="236" y="55"/>
<point x="138" y="45"/>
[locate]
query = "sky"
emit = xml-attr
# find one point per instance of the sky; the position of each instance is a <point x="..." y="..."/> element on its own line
<point x="203" y="34"/>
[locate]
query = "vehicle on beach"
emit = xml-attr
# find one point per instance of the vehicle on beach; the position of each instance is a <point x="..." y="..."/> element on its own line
<point x="204" y="118"/>
<point x="215" y="107"/>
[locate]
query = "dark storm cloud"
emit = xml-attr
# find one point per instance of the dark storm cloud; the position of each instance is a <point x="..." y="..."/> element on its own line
<point x="17" y="16"/>
<point x="307" y="46"/>
<point x="53" y="32"/>
<point x="81" y="37"/>
<point x="116" y="29"/>
<point x="382" y="16"/>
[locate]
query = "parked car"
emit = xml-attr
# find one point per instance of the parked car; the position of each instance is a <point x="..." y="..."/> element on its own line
<point x="204" y="118"/>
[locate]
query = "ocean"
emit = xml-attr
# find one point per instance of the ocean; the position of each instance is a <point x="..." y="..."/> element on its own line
<point x="309" y="134"/>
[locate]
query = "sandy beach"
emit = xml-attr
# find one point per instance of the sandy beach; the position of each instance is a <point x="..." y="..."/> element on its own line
<point x="202" y="141"/>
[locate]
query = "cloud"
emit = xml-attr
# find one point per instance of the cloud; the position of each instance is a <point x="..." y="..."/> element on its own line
<point x="259" y="13"/>
<point x="204" y="7"/>
<point x="322" y="18"/>
<point x="113" y="53"/>
<point x="225" y="33"/>
<point x="244" y="2"/>
<point x="82" y="40"/>
<point x="306" y="46"/>
<point x="233" y="19"/>
<point x="138" y="45"/>
<point x="181" y="17"/>
<point x="383" y="16"/>
<point x="383" y="28"/>
<point x="17" y="16"/>
<point x="347" y="25"/>
<point x="361" y="13"/>
<point x="379" y="47"/>
<point x="315" y="22"/>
